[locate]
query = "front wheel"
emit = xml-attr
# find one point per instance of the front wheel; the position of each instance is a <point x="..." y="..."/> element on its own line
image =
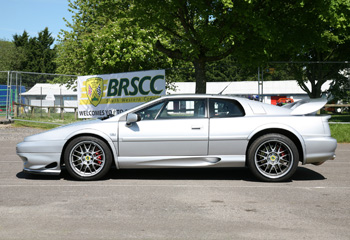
<point x="87" y="158"/>
<point x="273" y="158"/>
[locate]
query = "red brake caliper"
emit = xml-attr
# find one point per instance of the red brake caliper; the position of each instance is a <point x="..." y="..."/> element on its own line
<point x="282" y="152"/>
<point x="99" y="157"/>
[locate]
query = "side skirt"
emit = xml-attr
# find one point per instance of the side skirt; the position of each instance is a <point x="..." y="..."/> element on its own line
<point x="181" y="161"/>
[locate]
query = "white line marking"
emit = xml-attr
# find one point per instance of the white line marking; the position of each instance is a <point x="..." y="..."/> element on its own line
<point x="179" y="186"/>
<point x="11" y="162"/>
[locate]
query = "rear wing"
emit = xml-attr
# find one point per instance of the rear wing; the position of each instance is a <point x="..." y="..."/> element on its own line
<point x="306" y="106"/>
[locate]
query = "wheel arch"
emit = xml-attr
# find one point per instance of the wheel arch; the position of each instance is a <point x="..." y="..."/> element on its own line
<point x="103" y="137"/>
<point x="297" y="140"/>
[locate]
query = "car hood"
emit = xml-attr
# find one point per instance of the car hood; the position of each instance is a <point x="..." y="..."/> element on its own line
<point x="306" y="106"/>
<point x="62" y="132"/>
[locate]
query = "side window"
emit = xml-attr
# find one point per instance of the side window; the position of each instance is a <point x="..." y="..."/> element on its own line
<point x="219" y="108"/>
<point x="150" y="112"/>
<point x="184" y="108"/>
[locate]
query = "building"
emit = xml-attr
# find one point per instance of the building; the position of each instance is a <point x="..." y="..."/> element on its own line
<point x="272" y="90"/>
<point x="49" y="95"/>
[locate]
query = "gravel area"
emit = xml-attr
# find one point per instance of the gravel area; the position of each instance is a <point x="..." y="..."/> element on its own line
<point x="10" y="133"/>
<point x="172" y="203"/>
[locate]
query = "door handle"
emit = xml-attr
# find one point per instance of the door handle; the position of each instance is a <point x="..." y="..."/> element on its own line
<point x="195" y="127"/>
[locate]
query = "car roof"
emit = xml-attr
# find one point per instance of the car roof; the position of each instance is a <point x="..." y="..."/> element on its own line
<point x="202" y="96"/>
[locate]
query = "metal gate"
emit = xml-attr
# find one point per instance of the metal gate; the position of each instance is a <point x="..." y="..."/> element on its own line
<point x="9" y="94"/>
<point x="6" y="98"/>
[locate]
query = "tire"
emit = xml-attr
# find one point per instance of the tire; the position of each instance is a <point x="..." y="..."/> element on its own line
<point x="273" y="158"/>
<point x="87" y="158"/>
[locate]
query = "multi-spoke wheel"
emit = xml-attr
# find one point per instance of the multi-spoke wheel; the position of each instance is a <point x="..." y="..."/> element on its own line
<point x="87" y="158"/>
<point x="273" y="157"/>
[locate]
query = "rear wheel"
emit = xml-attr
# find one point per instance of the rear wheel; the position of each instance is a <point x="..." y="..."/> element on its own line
<point x="87" y="158"/>
<point x="273" y="158"/>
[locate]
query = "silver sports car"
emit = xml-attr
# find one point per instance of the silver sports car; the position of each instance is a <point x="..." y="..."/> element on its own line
<point x="187" y="131"/>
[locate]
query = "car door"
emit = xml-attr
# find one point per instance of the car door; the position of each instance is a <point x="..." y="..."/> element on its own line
<point x="228" y="129"/>
<point x="170" y="133"/>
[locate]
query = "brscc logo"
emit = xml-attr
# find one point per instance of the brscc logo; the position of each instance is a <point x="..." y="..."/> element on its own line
<point x="94" y="90"/>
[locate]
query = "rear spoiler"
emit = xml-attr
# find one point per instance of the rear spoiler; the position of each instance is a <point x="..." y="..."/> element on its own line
<point x="306" y="106"/>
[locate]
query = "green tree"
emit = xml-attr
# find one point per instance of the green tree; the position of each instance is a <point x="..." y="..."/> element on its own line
<point x="102" y="39"/>
<point x="340" y="88"/>
<point x="310" y="33"/>
<point x="113" y="36"/>
<point x="228" y="69"/>
<point x="253" y="32"/>
<point x="36" y="52"/>
<point x="8" y="56"/>
<point x="199" y="32"/>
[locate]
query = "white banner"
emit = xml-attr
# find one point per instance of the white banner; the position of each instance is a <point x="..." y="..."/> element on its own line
<point x="101" y="95"/>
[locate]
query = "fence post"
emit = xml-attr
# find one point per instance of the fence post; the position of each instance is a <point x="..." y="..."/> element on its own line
<point x="10" y="110"/>
<point x="15" y="113"/>
<point x="15" y="108"/>
<point x="259" y="83"/>
<point x="62" y="114"/>
<point x="7" y="94"/>
<point x="41" y="102"/>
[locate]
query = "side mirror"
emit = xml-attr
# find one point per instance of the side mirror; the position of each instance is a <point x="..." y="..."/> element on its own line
<point x="132" y="117"/>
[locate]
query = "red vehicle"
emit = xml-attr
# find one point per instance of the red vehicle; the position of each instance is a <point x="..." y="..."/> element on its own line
<point x="283" y="101"/>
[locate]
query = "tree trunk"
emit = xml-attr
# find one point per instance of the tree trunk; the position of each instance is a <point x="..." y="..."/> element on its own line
<point x="316" y="91"/>
<point x="199" y="68"/>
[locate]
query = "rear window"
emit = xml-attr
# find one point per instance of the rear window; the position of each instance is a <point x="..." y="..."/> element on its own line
<point x="221" y="108"/>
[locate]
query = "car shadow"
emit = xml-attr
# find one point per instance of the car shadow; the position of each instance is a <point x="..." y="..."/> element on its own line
<point x="30" y="176"/>
<point x="184" y="174"/>
<point x="155" y="174"/>
<point x="306" y="174"/>
<point x="243" y="174"/>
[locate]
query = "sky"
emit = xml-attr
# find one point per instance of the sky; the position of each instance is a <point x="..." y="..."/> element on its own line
<point x="32" y="16"/>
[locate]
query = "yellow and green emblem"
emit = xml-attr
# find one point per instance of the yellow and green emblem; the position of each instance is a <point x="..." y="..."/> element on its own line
<point x="94" y="90"/>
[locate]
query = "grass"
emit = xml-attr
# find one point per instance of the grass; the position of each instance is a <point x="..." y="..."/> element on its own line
<point x="45" y="122"/>
<point x="35" y="125"/>
<point x="341" y="132"/>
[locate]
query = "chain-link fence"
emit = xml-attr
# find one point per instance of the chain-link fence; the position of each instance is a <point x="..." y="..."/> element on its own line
<point x="53" y="97"/>
<point x="218" y="77"/>
<point x="312" y="76"/>
<point x="272" y="81"/>
<point x="25" y="95"/>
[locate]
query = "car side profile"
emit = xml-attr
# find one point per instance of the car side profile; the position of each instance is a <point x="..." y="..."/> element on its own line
<point x="188" y="131"/>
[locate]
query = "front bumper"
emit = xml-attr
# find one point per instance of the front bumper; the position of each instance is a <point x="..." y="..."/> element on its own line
<point x="41" y="157"/>
<point x="54" y="172"/>
<point x="40" y="163"/>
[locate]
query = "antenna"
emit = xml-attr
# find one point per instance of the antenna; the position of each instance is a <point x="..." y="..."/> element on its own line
<point x="225" y="88"/>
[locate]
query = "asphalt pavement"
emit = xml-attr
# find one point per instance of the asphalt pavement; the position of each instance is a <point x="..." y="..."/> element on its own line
<point x="173" y="204"/>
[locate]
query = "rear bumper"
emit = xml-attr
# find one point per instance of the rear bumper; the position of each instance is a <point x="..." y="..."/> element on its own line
<point x="319" y="150"/>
